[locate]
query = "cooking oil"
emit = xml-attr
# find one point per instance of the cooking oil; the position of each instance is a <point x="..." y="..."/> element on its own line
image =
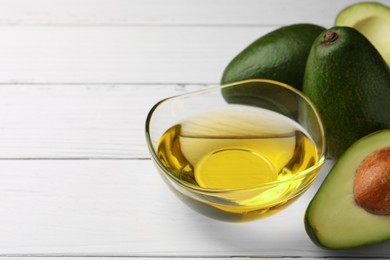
<point x="238" y="147"/>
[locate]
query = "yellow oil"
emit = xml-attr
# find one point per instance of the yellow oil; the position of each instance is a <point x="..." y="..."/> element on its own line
<point x="238" y="147"/>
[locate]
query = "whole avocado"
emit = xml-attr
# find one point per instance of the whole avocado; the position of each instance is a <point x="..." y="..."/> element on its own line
<point x="349" y="83"/>
<point x="279" y="55"/>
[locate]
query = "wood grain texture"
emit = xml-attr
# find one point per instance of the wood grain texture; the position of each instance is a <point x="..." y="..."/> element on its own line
<point x="152" y="258"/>
<point x="104" y="55"/>
<point x="168" y="12"/>
<point x="78" y="121"/>
<point x="77" y="79"/>
<point x="123" y="208"/>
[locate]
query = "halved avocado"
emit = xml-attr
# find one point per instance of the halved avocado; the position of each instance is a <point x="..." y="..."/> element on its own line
<point x="333" y="218"/>
<point x="373" y="21"/>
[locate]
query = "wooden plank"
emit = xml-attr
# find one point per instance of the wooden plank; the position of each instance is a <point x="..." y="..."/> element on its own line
<point x="78" y="121"/>
<point x="169" y="12"/>
<point x="159" y="258"/>
<point x="105" y="55"/>
<point x="145" y="258"/>
<point x="123" y="208"/>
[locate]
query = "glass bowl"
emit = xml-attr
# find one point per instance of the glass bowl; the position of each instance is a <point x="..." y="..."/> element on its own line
<point x="237" y="152"/>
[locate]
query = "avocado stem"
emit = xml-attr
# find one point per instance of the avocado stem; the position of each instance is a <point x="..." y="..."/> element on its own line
<point x="330" y="37"/>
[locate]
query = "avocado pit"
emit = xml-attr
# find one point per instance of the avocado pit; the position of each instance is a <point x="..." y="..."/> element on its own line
<point x="372" y="183"/>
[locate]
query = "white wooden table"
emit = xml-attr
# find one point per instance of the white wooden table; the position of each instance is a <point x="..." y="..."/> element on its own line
<point x="77" y="78"/>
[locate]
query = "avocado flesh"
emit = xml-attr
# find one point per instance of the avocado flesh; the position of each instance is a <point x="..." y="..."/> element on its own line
<point x="333" y="219"/>
<point x="349" y="82"/>
<point x="279" y="55"/>
<point x="373" y="21"/>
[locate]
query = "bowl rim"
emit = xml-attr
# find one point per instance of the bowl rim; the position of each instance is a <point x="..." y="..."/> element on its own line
<point x="302" y="174"/>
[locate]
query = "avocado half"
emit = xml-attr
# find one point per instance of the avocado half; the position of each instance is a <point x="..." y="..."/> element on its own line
<point x="333" y="219"/>
<point x="372" y="19"/>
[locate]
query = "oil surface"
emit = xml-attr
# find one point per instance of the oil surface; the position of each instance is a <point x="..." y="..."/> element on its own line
<point x="236" y="147"/>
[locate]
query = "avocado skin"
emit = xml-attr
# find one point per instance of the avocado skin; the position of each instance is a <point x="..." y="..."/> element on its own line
<point x="333" y="210"/>
<point x="310" y="231"/>
<point x="349" y="83"/>
<point x="279" y="55"/>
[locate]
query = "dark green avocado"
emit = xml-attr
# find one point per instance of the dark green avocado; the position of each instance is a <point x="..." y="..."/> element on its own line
<point x="333" y="219"/>
<point x="279" y="55"/>
<point x="349" y="83"/>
